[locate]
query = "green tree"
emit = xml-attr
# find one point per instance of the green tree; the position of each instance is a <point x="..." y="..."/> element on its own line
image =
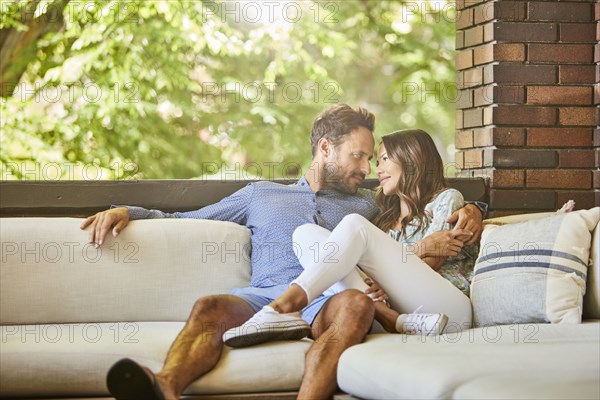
<point x="178" y="89"/>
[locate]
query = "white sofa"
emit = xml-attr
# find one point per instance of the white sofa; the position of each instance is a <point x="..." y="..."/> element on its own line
<point x="68" y="311"/>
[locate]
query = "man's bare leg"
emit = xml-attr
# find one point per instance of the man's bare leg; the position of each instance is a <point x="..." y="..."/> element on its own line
<point x="197" y="348"/>
<point x="342" y="322"/>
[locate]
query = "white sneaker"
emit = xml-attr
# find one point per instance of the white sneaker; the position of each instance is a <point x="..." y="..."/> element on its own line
<point x="265" y="326"/>
<point x="421" y="324"/>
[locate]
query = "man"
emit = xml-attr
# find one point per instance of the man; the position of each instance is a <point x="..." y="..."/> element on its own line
<point x="342" y="147"/>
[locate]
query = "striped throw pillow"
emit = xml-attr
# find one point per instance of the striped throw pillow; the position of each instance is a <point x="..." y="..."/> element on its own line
<point x="534" y="271"/>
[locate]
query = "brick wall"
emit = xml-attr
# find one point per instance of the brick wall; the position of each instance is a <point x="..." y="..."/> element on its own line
<point x="528" y="116"/>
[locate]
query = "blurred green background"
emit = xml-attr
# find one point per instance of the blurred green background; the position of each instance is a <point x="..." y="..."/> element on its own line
<point x="221" y="90"/>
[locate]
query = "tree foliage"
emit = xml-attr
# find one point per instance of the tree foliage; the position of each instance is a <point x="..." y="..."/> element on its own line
<point x="180" y="89"/>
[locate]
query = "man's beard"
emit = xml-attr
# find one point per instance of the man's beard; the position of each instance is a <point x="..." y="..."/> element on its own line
<point x="341" y="181"/>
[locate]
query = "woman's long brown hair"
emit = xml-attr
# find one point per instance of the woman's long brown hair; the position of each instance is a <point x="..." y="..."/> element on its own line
<point x="421" y="179"/>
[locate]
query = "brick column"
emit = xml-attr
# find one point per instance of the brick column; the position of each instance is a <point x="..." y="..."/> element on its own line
<point x="527" y="116"/>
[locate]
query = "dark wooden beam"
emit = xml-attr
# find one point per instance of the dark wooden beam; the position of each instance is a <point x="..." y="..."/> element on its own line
<point x="82" y="198"/>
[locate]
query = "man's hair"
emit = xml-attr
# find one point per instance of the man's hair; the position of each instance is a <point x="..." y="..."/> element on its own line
<point x="337" y="121"/>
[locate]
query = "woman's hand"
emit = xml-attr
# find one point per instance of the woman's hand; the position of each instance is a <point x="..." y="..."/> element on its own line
<point x="441" y="243"/>
<point x="376" y="292"/>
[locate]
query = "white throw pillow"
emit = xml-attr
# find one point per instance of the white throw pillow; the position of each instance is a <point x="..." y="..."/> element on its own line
<point x="534" y="271"/>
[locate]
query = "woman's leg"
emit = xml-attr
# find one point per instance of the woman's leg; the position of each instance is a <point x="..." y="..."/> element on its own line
<point x="408" y="281"/>
<point x="310" y="241"/>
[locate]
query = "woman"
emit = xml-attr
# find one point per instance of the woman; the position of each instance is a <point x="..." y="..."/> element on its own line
<point x="415" y="203"/>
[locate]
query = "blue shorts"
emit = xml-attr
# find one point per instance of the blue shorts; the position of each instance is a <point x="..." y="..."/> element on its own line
<point x="260" y="297"/>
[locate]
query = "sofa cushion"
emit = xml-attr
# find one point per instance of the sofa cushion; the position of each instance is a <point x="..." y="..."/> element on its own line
<point x="153" y="271"/>
<point x="437" y="367"/>
<point x="533" y="271"/>
<point x="72" y="359"/>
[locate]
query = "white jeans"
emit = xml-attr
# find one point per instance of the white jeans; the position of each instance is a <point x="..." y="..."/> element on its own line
<point x="330" y="258"/>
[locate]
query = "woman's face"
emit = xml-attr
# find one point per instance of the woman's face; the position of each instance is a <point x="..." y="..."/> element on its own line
<point x="388" y="172"/>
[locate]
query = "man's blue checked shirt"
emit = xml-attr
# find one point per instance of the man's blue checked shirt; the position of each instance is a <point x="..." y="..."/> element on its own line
<point x="272" y="212"/>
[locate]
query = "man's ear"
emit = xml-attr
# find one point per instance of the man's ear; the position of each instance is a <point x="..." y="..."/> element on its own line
<point x="324" y="147"/>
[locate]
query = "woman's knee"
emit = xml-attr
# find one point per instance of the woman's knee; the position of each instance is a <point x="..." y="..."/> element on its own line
<point x="354" y="220"/>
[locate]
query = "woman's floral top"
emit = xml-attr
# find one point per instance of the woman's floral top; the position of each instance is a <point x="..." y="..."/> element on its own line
<point x="458" y="269"/>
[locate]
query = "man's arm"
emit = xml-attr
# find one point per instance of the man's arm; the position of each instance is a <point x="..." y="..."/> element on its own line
<point x="232" y="208"/>
<point x="468" y="218"/>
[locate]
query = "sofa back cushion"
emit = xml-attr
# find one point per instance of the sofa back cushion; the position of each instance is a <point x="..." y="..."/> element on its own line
<point x="153" y="271"/>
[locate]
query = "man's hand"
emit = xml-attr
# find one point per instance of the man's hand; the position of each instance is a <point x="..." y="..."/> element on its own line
<point x="102" y="222"/>
<point x="442" y="243"/>
<point x="375" y="291"/>
<point x="468" y="218"/>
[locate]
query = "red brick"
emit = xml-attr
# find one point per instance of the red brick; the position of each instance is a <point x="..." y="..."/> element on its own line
<point x="596" y="140"/>
<point x="583" y="199"/>
<point x="560" y="53"/>
<point x="525" y="158"/>
<point x="483" y="95"/>
<point x="483" y="13"/>
<point x="464" y="99"/>
<point x="473" y="36"/>
<point x="597" y="12"/>
<point x="488" y="115"/>
<point x="460" y="40"/>
<point x="473" y="158"/>
<point x="576" y="73"/>
<point x="525" y="32"/>
<point x="515" y="74"/>
<point x="555" y="11"/>
<point x="576" y="158"/>
<point x="464" y="59"/>
<point x="459" y="159"/>
<point x="510" y="10"/>
<point x="578" y="116"/>
<point x="483" y="54"/>
<point x="509" y="95"/>
<point x="597" y="94"/>
<point x="597" y="181"/>
<point x="458" y="121"/>
<point x="509" y="52"/>
<point x="597" y="53"/>
<point x="488" y="32"/>
<point x="558" y="179"/>
<point x="577" y="32"/>
<point x="483" y="137"/>
<point x="522" y="199"/>
<point x="464" y="18"/>
<point x="472" y="77"/>
<point x="519" y="115"/>
<point x="505" y="178"/>
<point x="568" y="95"/>
<point x="473" y="117"/>
<point x="559" y="137"/>
<point x="488" y="74"/>
<point x="463" y="139"/>
<point x="509" y="137"/>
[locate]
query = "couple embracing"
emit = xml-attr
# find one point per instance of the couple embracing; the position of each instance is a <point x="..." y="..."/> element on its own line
<point x="403" y="256"/>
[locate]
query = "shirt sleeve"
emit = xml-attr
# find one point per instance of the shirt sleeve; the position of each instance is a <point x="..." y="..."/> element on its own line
<point x="442" y="207"/>
<point x="233" y="208"/>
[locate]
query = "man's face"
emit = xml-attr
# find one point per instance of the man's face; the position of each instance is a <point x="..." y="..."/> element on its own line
<point x="349" y="163"/>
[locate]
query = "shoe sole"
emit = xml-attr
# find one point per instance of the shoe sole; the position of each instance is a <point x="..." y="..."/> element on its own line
<point x="127" y="380"/>
<point x="268" y="335"/>
<point x="441" y="324"/>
